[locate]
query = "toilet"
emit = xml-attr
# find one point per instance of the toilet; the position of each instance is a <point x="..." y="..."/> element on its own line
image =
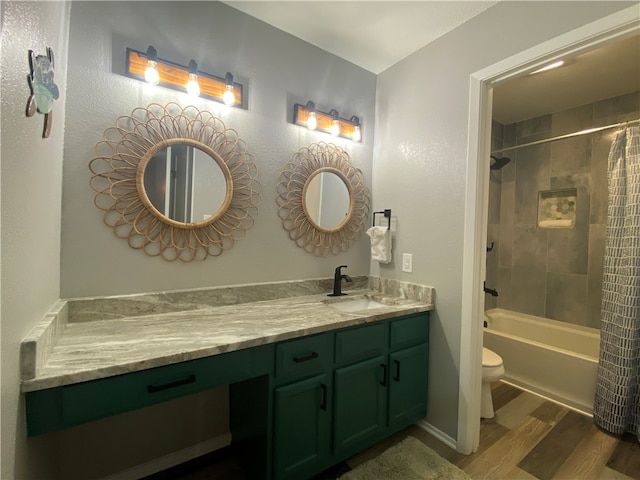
<point x="492" y="371"/>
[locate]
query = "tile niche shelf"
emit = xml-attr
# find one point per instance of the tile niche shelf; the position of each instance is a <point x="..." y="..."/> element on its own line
<point x="557" y="208"/>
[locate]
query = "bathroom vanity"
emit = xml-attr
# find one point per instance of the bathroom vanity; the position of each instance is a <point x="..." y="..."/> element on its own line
<point x="312" y="380"/>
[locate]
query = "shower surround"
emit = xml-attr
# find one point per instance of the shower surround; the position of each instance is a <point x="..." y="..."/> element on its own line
<point x="556" y="272"/>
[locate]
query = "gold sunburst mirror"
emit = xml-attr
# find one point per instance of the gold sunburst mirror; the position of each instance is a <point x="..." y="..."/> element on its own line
<point x="323" y="200"/>
<point x="175" y="182"/>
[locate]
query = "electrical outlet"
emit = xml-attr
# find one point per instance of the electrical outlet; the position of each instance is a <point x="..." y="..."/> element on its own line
<point x="407" y="262"/>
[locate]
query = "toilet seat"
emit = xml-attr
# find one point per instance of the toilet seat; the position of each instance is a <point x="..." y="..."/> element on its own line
<point x="490" y="358"/>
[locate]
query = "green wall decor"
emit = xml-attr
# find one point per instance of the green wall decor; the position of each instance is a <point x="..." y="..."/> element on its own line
<point x="43" y="89"/>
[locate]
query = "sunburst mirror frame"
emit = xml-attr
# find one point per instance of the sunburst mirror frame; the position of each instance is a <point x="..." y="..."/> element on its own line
<point x="294" y="179"/>
<point x="118" y="180"/>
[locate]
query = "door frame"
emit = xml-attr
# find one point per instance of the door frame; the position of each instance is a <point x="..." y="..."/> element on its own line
<point x="618" y="25"/>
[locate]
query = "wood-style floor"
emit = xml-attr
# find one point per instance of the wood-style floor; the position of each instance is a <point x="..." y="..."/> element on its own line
<point x="529" y="438"/>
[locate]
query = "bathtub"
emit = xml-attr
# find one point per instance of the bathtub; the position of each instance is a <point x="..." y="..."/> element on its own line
<point x="554" y="359"/>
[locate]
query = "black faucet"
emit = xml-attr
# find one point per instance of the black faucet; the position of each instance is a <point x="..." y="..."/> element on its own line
<point x="490" y="291"/>
<point x="338" y="276"/>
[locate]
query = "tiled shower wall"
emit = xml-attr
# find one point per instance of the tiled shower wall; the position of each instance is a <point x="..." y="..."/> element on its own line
<point x="552" y="273"/>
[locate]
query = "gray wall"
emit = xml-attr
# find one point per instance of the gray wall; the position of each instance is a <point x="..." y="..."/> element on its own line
<point x="277" y="70"/>
<point x="31" y="192"/>
<point x="422" y="110"/>
<point x="557" y="273"/>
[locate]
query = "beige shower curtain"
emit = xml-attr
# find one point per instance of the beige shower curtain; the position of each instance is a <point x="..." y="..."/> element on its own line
<point x="617" y="399"/>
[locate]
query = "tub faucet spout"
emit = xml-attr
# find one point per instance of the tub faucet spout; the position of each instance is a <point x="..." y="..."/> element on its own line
<point x="338" y="276"/>
<point x="490" y="291"/>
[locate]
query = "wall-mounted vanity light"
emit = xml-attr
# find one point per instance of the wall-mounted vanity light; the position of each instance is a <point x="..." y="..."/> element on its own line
<point x="308" y="116"/>
<point x="157" y="71"/>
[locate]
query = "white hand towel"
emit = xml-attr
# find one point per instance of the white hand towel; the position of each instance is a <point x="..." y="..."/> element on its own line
<point x="380" y="244"/>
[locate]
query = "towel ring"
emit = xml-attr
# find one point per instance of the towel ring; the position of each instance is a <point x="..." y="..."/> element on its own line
<point x="386" y="213"/>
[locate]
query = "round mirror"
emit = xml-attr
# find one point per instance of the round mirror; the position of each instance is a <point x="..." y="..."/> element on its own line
<point x="175" y="182"/>
<point x="185" y="184"/>
<point x="327" y="202"/>
<point x="323" y="200"/>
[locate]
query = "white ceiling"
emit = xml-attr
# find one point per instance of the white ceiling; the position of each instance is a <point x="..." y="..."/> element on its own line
<point x="372" y="34"/>
<point x="377" y="34"/>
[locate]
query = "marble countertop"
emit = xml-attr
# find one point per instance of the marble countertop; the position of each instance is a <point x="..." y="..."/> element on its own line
<point x="99" y="348"/>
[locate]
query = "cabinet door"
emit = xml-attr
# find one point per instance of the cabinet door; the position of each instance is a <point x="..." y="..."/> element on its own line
<point x="302" y="423"/>
<point x="360" y="404"/>
<point x="408" y="372"/>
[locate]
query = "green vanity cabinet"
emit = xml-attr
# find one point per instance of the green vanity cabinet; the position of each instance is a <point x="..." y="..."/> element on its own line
<point x="408" y="369"/>
<point x="302" y="407"/>
<point x="61" y="407"/>
<point x="302" y="422"/>
<point x="360" y="404"/>
<point x="375" y="385"/>
<point x="296" y="407"/>
<point x="360" y="381"/>
<point x="408" y="385"/>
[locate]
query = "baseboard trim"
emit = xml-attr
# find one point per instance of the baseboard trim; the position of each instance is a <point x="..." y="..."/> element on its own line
<point x="439" y="434"/>
<point x="172" y="459"/>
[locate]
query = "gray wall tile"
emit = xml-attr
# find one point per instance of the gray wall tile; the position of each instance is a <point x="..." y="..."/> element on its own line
<point x="505" y="249"/>
<point x="572" y="120"/>
<point x="567" y="298"/>
<point x="510" y="135"/>
<point x="532" y="176"/>
<point x="556" y="272"/>
<point x="594" y="276"/>
<point x="617" y="109"/>
<point x="571" y="155"/>
<point x="529" y="246"/>
<point x="494" y="197"/>
<point x="539" y="127"/>
<point x="509" y="170"/>
<point x="528" y="287"/>
<point x="601" y="144"/>
<point x="568" y="250"/>
<point x="504" y="288"/>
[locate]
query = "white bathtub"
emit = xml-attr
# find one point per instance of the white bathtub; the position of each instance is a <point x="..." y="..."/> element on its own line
<point x="555" y="359"/>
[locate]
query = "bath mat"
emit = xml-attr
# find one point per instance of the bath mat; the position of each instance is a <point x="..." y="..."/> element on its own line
<point x="408" y="460"/>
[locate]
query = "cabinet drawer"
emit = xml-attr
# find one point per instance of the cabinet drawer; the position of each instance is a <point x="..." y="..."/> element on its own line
<point x="361" y="343"/>
<point x="302" y="357"/>
<point x="96" y="399"/>
<point x="409" y="331"/>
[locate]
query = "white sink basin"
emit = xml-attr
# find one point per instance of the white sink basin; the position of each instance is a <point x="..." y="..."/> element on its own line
<point x="357" y="304"/>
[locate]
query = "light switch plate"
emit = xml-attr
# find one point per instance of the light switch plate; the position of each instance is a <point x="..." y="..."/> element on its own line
<point x="407" y="262"/>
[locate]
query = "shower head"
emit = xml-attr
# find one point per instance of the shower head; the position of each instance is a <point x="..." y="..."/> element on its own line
<point x="499" y="162"/>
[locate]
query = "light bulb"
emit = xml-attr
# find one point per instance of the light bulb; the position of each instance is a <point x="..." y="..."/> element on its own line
<point x="193" y="87"/>
<point x="229" y="96"/>
<point x="335" y="128"/>
<point x="356" y="136"/>
<point x="151" y="75"/>
<point x="312" y="121"/>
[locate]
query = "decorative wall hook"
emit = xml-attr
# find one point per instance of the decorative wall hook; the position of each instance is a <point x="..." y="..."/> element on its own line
<point x="43" y="89"/>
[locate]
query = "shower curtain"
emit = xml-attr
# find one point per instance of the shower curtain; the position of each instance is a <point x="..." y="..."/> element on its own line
<point x="617" y="398"/>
